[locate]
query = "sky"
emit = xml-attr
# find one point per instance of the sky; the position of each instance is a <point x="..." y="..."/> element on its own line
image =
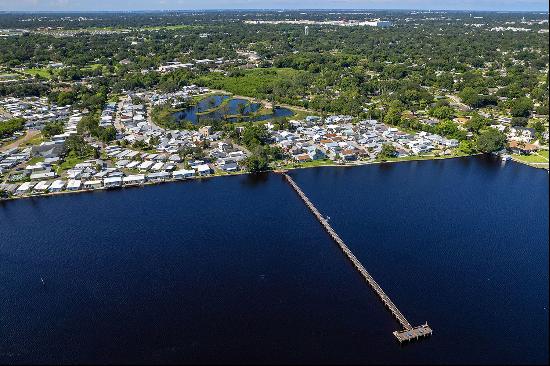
<point x="117" y="5"/>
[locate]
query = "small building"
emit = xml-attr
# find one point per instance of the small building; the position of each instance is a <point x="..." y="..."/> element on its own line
<point x="182" y="174"/>
<point x="133" y="164"/>
<point x="146" y="165"/>
<point x="93" y="184"/>
<point x="24" y="188"/>
<point x="229" y="167"/>
<point x="134" y="180"/>
<point x="205" y="131"/>
<point x="57" y="186"/>
<point x="522" y="148"/>
<point x="42" y="176"/>
<point x="74" y="185"/>
<point x="204" y="169"/>
<point x="157" y="166"/>
<point x="158" y="177"/>
<point x="41" y="186"/>
<point x="112" y="182"/>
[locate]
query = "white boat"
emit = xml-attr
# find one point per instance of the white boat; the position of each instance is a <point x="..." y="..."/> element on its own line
<point x="506" y="157"/>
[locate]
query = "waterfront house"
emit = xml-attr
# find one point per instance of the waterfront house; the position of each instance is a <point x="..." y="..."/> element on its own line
<point x="74" y="185"/>
<point x="92" y="184"/>
<point x="133" y="180"/>
<point x="41" y="186"/>
<point x="158" y="177"/>
<point x="112" y="182"/>
<point x="522" y="148"/>
<point x="182" y="174"/>
<point x="10" y="188"/>
<point x="349" y="155"/>
<point x="203" y="169"/>
<point x="57" y="186"/>
<point x="24" y="188"/>
<point x="229" y="167"/>
<point x="315" y="153"/>
<point x="302" y="158"/>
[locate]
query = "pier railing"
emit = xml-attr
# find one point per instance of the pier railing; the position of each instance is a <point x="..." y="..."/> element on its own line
<point x="408" y="331"/>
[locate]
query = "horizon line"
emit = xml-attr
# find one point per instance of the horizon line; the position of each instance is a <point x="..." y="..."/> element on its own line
<point x="272" y="9"/>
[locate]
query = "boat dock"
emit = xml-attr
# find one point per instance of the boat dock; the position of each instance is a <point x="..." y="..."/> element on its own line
<point x="409" y="332"/>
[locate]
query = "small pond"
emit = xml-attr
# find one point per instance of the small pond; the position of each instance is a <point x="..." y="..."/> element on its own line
<point x="216" y="107"/>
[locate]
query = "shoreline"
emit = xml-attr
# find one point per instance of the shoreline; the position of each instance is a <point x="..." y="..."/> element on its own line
<point x="172" y="180"/>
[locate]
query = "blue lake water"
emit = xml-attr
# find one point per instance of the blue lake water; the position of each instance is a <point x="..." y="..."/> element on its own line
<point x="234" y="106"/>
<point x="236" y="269"/>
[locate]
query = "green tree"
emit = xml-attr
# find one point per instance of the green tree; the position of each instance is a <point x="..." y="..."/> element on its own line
<point x="53" y="128"/>
<point x="442" y="112"/>
<point x="388" y="151"/>
<point x="519" y="121"/>
<point x="449" y="129"/>
<point x="139" y="144"/>
<point x="521" y="107"/>
<point x="490" y="139"/>
<point x="393" y="116"/>
<point x="467" y="146"/>
<point x="256" y="163"/>
<point x="154" y="141"/>
<point x="476" y="123"/>
<point x="107" y="134"/>
<point x="254" y="135"/>
<point x="9" y="127"/>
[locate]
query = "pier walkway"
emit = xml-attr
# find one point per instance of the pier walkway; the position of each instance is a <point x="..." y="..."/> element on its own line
<point x="408" y="332"/>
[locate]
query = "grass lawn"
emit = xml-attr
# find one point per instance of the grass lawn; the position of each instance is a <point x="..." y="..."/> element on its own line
<point x="42" y="72"/>
<point x="298" y="114"/>
<point x="114" y="98"/>
<point x="36" y="140"/>
<point x="541" y="157"/>
<point x="91" y="67"/>
<point x="36" y="159"/>
<point x="70" y="162"/>
<point x="307" y="164"/>
<point x="455" y="154"/>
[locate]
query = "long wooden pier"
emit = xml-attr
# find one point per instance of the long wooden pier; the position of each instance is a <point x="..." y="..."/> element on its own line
<point x="409" y="332"/>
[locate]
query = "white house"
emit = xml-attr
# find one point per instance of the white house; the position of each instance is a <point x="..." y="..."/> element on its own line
<point x="158" y="177"/>
<point x="182" y="174"/>
<point x="41" y="187"/>
<point x="112" y="182"/>
<point x="45" y="175"/>
<point x="146" y="165"/>
<point x="57" y="186"/>
<point x="133" y="180"/>
<point x="24" y="188"/>
<point x="204" y="169"/>
<point x="74" y="185"/>
<point x="92" y="184"/>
